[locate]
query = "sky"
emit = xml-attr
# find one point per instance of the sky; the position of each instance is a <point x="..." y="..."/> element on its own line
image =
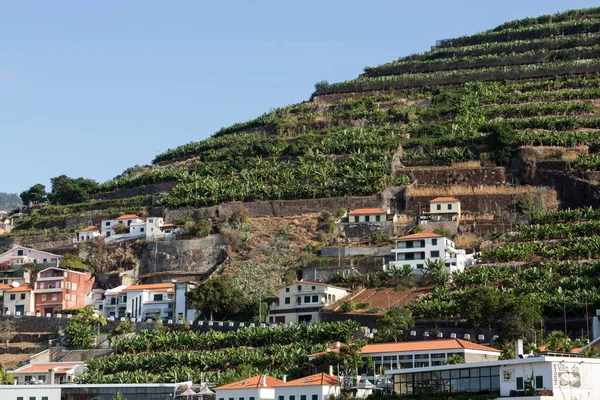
<point x="92" y="88"/>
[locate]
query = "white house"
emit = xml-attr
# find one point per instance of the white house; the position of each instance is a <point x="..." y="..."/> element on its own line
<point x="259" y="387"/>
<point x="51" y="373"/>
<point x="443" y="209"/>
<point x="416" y="249"/>
<point x="302" y="300"/>
<point x="96" y="299"/>
<point x="367" y="215"/>
<point x="315" y="387"/>
<point x="19" y="300"/>
<point x="549" y="377"/>
<point x="115" y="302"/>
<point x="150" y="301"/>
<point x="88" y="234"/>
<point x="137" y="227"/>
<point x="19" y="255"/>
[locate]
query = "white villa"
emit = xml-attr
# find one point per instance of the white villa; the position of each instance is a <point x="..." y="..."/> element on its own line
<point x="51" y="373"/>
<point x="315" y="387"/>
<point x="19" y="255"/>
<point x="301" y="301"/>
<point x="416" y="249"/>
<point x="115" y="302"/>
<point x="259" y="387"/>
<point x="147" y="301"/>
<point x="150" y="228"/>
<point x="367" y="215"/>
<point x="88" y="234"/>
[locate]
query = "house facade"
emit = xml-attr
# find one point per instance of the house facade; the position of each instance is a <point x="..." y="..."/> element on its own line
<point x="88" y="234"/>
<point x="416" y="249"/>
<point x="150" y="301"/>
<point x="443" y="209"/>
<point x="52" y="373"/>
<point x="301" y="301"/>
<point x="315" y="387"/>
<point x="115" y="302"/>
<point x="136" y="227"/>
<point x="367" y="215"/>
<point x="61" y="289"/>
<point x="20" y="255"/>
<point x="19" y="300"/>
<point x="259" y="387"/>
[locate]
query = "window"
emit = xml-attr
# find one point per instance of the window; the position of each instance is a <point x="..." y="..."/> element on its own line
<point x="281" y="398"/>
<point x="158" y="297"/>
<point x="449" y="206"/>
<point x="45" y="260"/>
<point x="539" y="382"/>
<point x="520" y="384"/>
<point x="438" y="207"/>
<point x="142" y="230"/>
<point x="314" y="287"/>
<point x="54" y="297"/>
<point x="241" y="398"/>
<point x="287" y="300"/>
<point x="434" y="242"/>
<point x="435" y="253"/>
<point x="44" y="397"/>
<point x="113" y="301"/>
<point x="12" y="296"/>
<point x="67" y="297"/>
<point x="251" y="398"/>
<point x="44" y="297"/>
<point x="220" y="398"/>
<point x="20" y="398"/>
<point x="68" y="285"/>
<point x="73" y="286"/>
<point x="378" y="218"/>
<point x="292" y="397"/>
<point x="19" y="252"/>
<point x="22" y="296"/>
<point x="315" y="299"/>
<point x="409" y="245"/>
<point x="299" y="288"/>
<point x="315" y="397"/>
<point x="367" y="218"/>
<point x="287" y="289"/>
<point x="303" y="397"/>
<point x="356" y="219"/>
<point x="307" y="299"/>
<point x="150" y="221"/>
<point x="107" y="223"/>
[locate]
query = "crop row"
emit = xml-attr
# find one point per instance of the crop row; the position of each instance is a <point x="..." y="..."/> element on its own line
<point x="556" y="138"/>
<point x="589" y="162"/>
<point x="96" y="205"/>
<point x="579" y="248"/>
<point x="484" y="61"/>
<point x="570" y="15"/>
<point x="444" y="156"/>
<point x="570" y="215"/>
<point x="557" y="231"/>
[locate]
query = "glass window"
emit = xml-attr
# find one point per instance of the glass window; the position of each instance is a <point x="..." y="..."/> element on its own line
<point x="449" y="206"/>
<point x="464" y="373"/>
<point x="474" y="372"/>
<point x="422" y="357"/>
<point x="434" y="242"/>
<point x="287" y="289"/>
<point x="438" y="355"/>
<point x="20" y="398"/>
<point x="378" y="218"/>
<point x="356" y="219"/>
<point x="158" y="297"/>
<point x="251" y="398"/>
<point x="22" y="296"/>
<point x="241" y="398"/>
<point x="303" y="397"/>
<point x="281" y="398"/>
<point x="445" y="374"/>
<point x="314" y="287"/>
<point x="454" y="373"/>
<point x="438" y="207"/>
<point x="12" y="296"/>
<point x="315" y="299"/>
<point x="435" y="253"/>
<point x="406" y="357"/>
<point x="315" y="397"/>
<point x="44" y="397"/>
<point x="287" y="300"/>
<point x="367" y="218"/>
<point x="299" y="288"/>
<point x="520" y="383"/>
<point x="292" y="397"/>
<point x="307" y="299"/>
<point x="539" y="382"/>
<point x="107" y="223"/>
<point x="485" y="371"/>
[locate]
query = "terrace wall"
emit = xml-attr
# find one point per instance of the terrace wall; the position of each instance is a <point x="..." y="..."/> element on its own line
<point x="475" y="203"/>
<point x="456" y="176"/>
<point x="136" y="191"/>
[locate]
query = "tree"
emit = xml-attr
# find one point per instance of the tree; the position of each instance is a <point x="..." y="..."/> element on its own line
<point x="455" y="360"/>
<point x="215" y="297"/>
<point x="390" y="325"/>
<point x="67" y="190"/>
<point x="348" y="358"/>
<point x="7" y="331"/>
<point x="80" y="332"/>
<point x="435" y="272"/>
<point x="35" y="194"/>
<point x="123" y="328"/>
<point x="558" y="341"/>
<point x="6" y="379"/>
<point x="481" y="306"/>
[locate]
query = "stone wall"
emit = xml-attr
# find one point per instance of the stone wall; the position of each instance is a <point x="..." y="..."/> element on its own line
<point x="456" y="176"/>
<point x="63" y="240"/>
<point x="355" y="251"/>
<point x="488" y="203"/>
<point x="137" y="191"/>
<point x="322" y="272"/>
<point x="365" y="229"/>
<point x="573" y="189"/>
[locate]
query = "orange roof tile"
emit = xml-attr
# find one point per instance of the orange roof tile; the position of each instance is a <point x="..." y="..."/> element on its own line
<point x="23" y="288"/>
<point x="443" y="199"/>
<point x="89" y="229"/>
<point x="45" y="367"/>
<point x="363" y="211"/>
<point x="574" y="350"/>
<point x="5" y="286"/>
<point x="254" y="382"/>
<point x="127" y="216"/>
<point x="152" y="286"/>
<point x="419" y="345"/>
<point x="313" y="380"/>
<point x="420" y="235"/>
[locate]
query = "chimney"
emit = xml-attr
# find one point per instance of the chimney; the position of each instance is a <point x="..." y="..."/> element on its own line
<point x="263" y="381"/>
<point x="519" y="348"/>
<point x="285" y="378"/>
<point x="331" y="370"/>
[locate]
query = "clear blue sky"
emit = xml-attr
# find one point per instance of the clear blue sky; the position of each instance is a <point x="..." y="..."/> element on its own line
<point x="91" y="88"/>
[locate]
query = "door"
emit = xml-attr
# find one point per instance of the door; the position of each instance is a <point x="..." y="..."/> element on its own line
<point x="48" y="311"/>
<point x="20" y="309"/>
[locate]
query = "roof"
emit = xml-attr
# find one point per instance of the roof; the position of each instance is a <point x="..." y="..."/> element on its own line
<point x="150" y="287"/>
<point x="420" y="235"/>
<point x="115" y="290"/>
<point x="5" y="286"/>
<point x="89" y="229"/>
<point x="60" y="367"/>
<point x="443" y="199"/>
<point x="254" y="382"/>
<point x="362" y="211"/>
<point x="127" y="216"/>
<point x="23" y="288"/>
<point x="168" y="226"/>
<point x="29" y="248"/>
<point x="321" y="379"/>
<point x="419" y="345"/>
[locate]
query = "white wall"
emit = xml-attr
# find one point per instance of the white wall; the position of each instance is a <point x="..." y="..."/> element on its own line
<point x="363" y="218"/>
<point x="323" y="391"/>
<point x="10" y="305"/>
<point x="237" y="394"/>
<point x="11" y="392"/>
<point x="433" y="207"/>
<point x="29" y="255"/>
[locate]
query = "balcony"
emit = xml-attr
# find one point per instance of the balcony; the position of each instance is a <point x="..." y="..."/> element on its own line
<point x="310" y="305"/>
<point x="49" y="290"/>
<point x="318" y="290"/>
<point x="51" y="278"/>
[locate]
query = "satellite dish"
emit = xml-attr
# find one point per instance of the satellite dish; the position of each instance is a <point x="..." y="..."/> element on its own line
<point x="15" y="284"/>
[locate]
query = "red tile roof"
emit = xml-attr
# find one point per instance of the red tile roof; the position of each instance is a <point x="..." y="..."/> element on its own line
<point x="321" y="379"/>
<point x="419" y="345"/>
<point x="420" y="235"/>
<point x="127" y="216"/>
<point x="151" y="287"/>
<point x="23" y="288"/>
<point x="443" y="199"/>
<point x="89" y="229"/>
<point x="5" y="286"/>
<point x="61" y="367"/>
<point x="254" y="382"/>
<point x="363" y="211"/>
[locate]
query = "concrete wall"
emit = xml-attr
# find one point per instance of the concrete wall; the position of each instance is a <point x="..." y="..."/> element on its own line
<point x="469" y="203"/>
<point x="456" y="176"/>
<point x="355" y="251"/>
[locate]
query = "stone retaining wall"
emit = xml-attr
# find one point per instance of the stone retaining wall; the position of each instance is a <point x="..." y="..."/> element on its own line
<point x="136" y="191"/>
<point x="456" y="176"/>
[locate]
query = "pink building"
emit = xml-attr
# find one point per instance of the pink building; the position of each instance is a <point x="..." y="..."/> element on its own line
<point x="61" y="289"/>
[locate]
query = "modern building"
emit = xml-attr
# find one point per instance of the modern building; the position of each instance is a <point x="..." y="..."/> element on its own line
<point x="367" y="215"/>
<point x="61" y="289"/>
<point x="416" y="249"/>
<point x="149" y="391"/>
<point x="150" y="301"/>
<point x="259" y="387"/>
<point x="184" y="308"/>
<point x="19" y="300"/>
<point x="422" y="353"/>
<point x="301" y="301"/>
<point x="20" y="255"/>
<point x="88" y="234"/>
<point x="315" y="387"/>
<point x="443" y="209"/>
<point x="51" y="373"/>
<point x="115" y="302"/>
<point x="135" y="228"/>
<point x="97" y="299"/>
<point x="541" y="377"/>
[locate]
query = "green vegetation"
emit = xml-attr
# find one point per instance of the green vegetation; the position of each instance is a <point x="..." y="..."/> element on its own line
<point x="80" y="332"/>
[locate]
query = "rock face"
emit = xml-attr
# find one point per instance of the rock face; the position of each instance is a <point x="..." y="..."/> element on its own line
<point x="181" y="259"/>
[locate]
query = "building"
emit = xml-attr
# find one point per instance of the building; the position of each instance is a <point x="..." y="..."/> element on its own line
<point x="51" y="373"/>
<point x="422" y="353"/>
<point x="443" y="209"/>
<point x="61" y="289"/>
<point x="20" y="255"/>
<point x="88" y="234"/>
<point x="150" y="301"/>
<point x="547" y="377"/>
<point x="136" y="228"/>
<point x="149" y="391"/>
<point x="315" y="387"/>
<point x="97" y="299"/>
<point x="19" y="300"/>
<point x="182" y="305"/>
<point x="367" y="215"/>
<point x="115" y="302"/>
<point x="301" y="301"/>
<point x="259" y="387"/>
<point x="416" y="249"/>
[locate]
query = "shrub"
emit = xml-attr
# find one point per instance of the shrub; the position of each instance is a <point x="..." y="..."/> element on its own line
<point x="326" y="222"/>
<point x="233" y="238"/>
<point x="348" y="305"/>
<point x="363" y="305"/>
<point x="375" y="310"/>
<point x="120" y="228"/>
<point x="443" y="232"/>
<point x="203" y="228"/>
<point x="340" y="211"/>
<point x="380" y="238"/>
